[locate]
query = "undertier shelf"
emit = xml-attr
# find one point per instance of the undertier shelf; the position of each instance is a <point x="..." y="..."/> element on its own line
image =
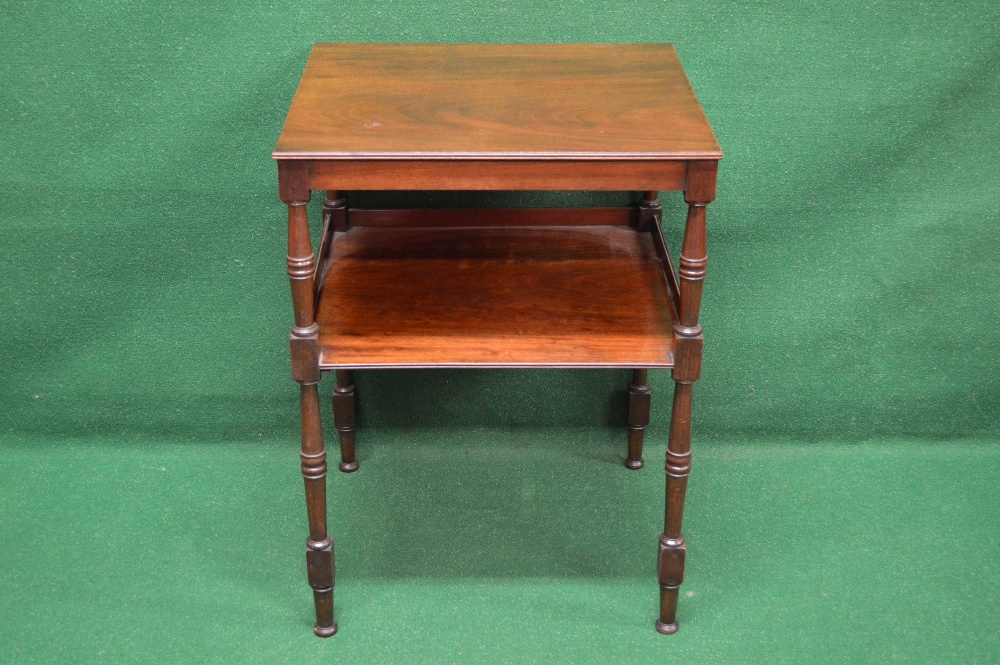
<point x="496" y="296"/>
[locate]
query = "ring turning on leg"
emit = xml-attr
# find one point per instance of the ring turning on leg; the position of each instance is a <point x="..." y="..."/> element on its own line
<point x="319" y="546"/>
<point x="638" y="417"/>
<point x="344" y="419"/>
<point x="672" y="550"/>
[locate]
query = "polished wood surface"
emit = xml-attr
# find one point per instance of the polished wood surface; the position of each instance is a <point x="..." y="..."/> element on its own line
<point x="592" y="287"/>
<point x="689" y="341"/>
<point x="638" y="417"/>
<point x="494" y="217"/>
<point x="501" y="174"/>
<point x="502" y="101"/>
<point x="302" y="265"/>
<point x="583" y="296"/>
<point x="344" y="419"/>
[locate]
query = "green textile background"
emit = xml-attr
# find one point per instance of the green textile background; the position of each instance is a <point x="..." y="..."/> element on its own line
<point x="846" y="490"/>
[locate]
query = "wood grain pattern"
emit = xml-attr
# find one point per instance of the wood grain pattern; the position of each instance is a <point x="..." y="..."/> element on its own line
<point x="497" y="288"/>
<point x="492" y="217"/>
<point x="503" y="101"/>
<point x="495" y="297"/>
<point x="482" y="174"/>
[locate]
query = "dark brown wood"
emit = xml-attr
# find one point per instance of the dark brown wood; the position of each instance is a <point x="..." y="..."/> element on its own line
<point x="692" y="271"/>
<point x="693" y="263"/>
<point x="480" y="174"/>
<point x="494" y="217"/>
<point x="495" y="288"/>
<point x="301" y="264"/>
<point x="334" y="219"/>
<point x="667" y="267"/>
<point x="648" y="220"/>
<point x="701" y="180"/>
<point x="344" y="419"/>
<point x="670" y="564"/>
<point x="638" y="417"/>
<point x="650" y="211"/>
<point x="336" y="207"/>
<point x="293" y="181"/>
<point x="689" y="341"/>
<point x="306" y="371"/>
<point x="585" y="296"/>
<point x="496" y="101"/>
<point x="319" y="546"/>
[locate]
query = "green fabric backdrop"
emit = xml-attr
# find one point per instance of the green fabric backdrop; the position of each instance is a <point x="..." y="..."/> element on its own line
<point x="844" y="500"/>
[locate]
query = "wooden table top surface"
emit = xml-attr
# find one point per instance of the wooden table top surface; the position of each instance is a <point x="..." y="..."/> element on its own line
<point x="495" y="101"/>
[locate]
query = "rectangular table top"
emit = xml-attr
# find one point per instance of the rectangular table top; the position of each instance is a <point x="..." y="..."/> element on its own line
<point x="496" y="102"/>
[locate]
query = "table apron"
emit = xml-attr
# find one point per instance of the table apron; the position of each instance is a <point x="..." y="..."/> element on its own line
<point x="466" y="174"/>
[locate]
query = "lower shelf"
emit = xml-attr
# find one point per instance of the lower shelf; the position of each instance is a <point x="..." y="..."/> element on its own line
<point x="539" y="296"/>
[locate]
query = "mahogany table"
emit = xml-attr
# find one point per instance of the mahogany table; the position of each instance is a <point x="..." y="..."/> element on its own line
<point x="543" y="287"/>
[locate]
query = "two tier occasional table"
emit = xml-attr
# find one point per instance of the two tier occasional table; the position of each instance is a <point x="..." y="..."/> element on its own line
<point x="524" y="287"/>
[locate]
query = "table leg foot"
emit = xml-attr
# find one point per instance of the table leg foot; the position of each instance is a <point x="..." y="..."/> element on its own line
<point x="635" y="464"/>
<point x="325" y="631"/>
<point x="666" y="628"/>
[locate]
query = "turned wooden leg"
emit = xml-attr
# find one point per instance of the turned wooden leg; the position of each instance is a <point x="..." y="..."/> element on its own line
<point x="649" y="214"/>
<point x="303" y="344"/>
<point x="344" y="419"/>
<point x="688" y="343"/>
<point x="638" y="417"/>
<point x="670" y="566"/>
<point x="319" y="546"/>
